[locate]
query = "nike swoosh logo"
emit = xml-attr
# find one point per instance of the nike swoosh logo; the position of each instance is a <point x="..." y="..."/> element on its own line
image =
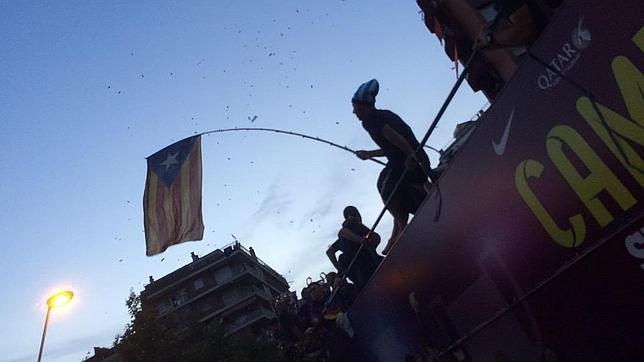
<point x="499" y="148"/>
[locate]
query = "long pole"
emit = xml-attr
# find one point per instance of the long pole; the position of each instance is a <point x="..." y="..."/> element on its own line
<point x="44" y="332"/>
<point x="317" y="139"/>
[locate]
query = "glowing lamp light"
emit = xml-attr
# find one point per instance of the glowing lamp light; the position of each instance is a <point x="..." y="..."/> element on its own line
<point x="60" y="298"/>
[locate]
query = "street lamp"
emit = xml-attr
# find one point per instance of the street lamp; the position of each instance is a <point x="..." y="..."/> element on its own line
<point x="56" y="300"/>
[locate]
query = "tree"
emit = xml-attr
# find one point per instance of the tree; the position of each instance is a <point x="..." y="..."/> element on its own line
<point x="147" y="338"/>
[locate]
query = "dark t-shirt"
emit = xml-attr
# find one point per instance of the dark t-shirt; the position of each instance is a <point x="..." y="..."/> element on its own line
<point x="347" y="247"/>
<point x="374" y="126"/>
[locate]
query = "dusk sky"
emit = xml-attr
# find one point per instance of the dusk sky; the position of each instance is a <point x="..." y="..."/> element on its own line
<point x="89" y="89"/>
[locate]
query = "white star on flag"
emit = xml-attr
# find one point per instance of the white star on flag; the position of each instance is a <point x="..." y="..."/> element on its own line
<point x="171" y="160"/>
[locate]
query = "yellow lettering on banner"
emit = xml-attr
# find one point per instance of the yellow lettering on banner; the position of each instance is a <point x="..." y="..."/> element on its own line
<point x="565" y="237"/>
<point x="600" y="177"/>
<point x="638" y="39"/>
<point x="631" y="82"/>
<point x="622" y="129"/>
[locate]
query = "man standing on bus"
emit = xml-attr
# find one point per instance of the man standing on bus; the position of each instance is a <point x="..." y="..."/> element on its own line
<point x="398" y="144"/>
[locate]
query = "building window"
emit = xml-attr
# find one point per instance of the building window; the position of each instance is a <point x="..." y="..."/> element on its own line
<point x="163" y="307"/>
<point x="222" y="275"/>
<point x="205" y="306"/>
<point x="198" y="283"/>
<point x="231" y="296"/>
<point x="179" y="297"/>
<point x="238" y="268"/>
<point x="259" y="271"/>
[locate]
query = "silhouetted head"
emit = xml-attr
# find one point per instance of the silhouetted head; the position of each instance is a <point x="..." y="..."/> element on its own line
<point x="283" y="304"/>
<point x="330" y="277"/>
<point x="364" y="99"/>
<point x="317" y="292"/>
<point x="351" y="212"/>
<point x="306" y="294"/>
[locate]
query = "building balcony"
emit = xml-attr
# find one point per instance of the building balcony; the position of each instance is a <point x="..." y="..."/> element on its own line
<point x="245" y="298"/>
<point x="234" y="278"/>
<point x="248" y="319"/>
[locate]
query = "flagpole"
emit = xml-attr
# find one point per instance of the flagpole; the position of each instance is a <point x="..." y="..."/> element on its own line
<point x="290" y="133"/>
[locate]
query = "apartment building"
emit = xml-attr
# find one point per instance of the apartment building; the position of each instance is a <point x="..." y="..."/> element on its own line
<point x="230" y="285"/>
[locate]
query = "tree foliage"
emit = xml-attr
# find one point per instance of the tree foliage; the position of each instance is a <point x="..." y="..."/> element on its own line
<point x="147" y="338"/>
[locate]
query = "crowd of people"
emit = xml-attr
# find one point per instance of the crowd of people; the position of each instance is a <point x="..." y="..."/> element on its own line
<point x="316" y="327"/>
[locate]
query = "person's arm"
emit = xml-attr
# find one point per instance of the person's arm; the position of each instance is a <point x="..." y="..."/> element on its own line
<point x="417" y="159"/>
<point x="347" y="234"/>
<point x="365" y="155"/>
<point x="401" y="143"/>
<point x="330" y="253"/>
<point x="374" y="239"/>
<point x="397" y="139"/>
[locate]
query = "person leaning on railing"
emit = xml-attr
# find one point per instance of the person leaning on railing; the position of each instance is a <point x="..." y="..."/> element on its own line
<point x="399" y="145"/>
<point x="350" y="237"/>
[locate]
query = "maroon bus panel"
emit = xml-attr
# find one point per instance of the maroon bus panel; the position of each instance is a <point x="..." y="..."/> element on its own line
<point x="531" y="245"/>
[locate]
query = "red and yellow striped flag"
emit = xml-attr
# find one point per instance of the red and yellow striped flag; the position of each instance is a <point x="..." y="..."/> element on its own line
<point x="172" y="197"/>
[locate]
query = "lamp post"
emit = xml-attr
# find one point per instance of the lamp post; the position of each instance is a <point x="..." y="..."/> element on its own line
<point x="56" y="300"/>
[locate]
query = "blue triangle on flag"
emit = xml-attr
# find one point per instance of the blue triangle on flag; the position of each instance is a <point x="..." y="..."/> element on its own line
<point x="167" y="162"/>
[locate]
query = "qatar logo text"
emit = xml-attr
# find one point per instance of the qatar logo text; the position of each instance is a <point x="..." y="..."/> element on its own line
<point x="566" y="57"/>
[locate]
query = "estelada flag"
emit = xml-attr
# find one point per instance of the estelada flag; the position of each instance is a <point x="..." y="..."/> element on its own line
<point x="172" y="196"/>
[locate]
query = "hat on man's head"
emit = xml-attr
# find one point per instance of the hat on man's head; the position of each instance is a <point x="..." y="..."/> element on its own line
<point x="350" y="211"/>
<point x="367" y="92"/>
